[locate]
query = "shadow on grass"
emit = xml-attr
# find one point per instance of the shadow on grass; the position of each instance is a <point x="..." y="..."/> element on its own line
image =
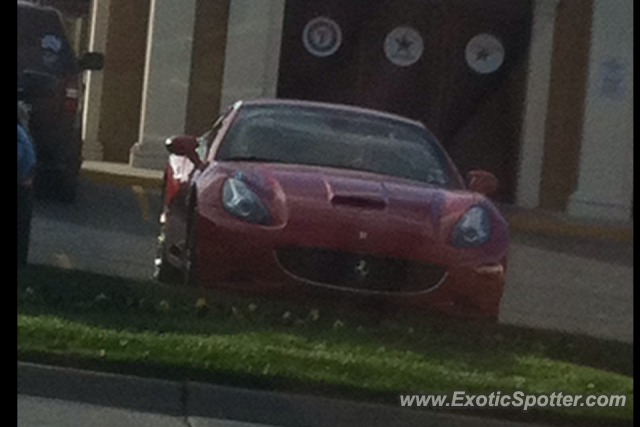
<point x="138" y="306"/>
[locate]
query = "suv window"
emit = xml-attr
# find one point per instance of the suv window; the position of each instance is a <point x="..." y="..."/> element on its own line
<point x="42" y="43"/>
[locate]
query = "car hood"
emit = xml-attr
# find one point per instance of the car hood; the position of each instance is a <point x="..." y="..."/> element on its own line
<point x="326" y="205"/>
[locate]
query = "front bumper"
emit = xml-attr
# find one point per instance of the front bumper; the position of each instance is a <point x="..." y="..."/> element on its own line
<point x="251" y="260"/>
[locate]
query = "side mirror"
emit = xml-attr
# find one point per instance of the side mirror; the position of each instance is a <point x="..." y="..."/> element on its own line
<point x="185" y="145"/>
<point x="482" y="182"/>
<point x="92" y="61"/>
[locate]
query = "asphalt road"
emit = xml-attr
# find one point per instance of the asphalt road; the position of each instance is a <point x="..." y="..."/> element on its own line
<point x="575" y="285"/>
<point x="109" y="229"/>
<point x="44" y="412"/>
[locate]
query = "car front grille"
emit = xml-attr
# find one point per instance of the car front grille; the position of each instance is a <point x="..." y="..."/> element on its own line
<point x="359" y="272"/>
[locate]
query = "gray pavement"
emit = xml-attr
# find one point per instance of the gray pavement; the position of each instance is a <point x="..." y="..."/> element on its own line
<point x="577" y="285"/>
<point x="60" y="397"/>
<point x="569" y="284"/>
<point x="46" y="412"/>
<point x="109" y="230"/>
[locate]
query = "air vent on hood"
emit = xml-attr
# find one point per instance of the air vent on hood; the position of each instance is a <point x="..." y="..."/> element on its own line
<point x="358" y="202"/>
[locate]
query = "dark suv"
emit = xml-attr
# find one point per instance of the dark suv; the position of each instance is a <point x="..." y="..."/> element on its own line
<point x="54" y="119"/>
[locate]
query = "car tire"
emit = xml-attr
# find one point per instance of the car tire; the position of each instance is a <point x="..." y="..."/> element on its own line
<point x="191" y="245"/>
<point x="164" y="271"/>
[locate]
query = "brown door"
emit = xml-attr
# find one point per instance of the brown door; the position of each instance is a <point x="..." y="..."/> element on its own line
<point x="476" y="113"/>
<point x="321" y="78"/>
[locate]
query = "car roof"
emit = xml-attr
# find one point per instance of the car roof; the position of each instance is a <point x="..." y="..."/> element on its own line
<point x="27" y="4"/>
<point x="41" y="9"/>
<point x="331" y="106"/>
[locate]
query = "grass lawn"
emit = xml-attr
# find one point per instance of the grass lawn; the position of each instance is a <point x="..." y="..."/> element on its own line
<point x="87" y="320"/>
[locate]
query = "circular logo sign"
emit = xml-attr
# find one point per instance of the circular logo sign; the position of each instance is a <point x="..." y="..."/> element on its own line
<point x="322" y="36"/>
<point x="403" y="46"/>
<point x="484" y="54"/>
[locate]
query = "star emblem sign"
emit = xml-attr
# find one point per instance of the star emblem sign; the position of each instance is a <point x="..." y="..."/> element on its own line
<point x="482" y="54"/>
<point x="485" y="53"/>
<point x="404" y="44"/>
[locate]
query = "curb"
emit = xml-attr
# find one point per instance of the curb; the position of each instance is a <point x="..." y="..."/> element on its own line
<point x="202" y="401"/>
<point x="537" y="224"/>
<point x="520" y="221"/>
<point x="121" y="175"/>
<point x="147" y="395"/>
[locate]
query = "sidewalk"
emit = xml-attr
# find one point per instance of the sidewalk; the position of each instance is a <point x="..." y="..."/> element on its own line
<point x="521" y="220"/>
<point x="205" y="405"/>
<point x="559" y="224"/>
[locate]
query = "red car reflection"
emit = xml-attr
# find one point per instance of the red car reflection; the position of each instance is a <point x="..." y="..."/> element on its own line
<point x="291" y="197"/>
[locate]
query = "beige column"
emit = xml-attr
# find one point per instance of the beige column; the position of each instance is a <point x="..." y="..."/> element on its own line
<point x="605" y="182"/>
<point x="167" y="79"/>
<point x="536" y="103"/>
<point x="92" y="149"/>
<point x="253" y="50"/>
<point x="75" y="26"/>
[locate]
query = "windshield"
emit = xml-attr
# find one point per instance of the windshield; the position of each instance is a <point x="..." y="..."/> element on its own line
<point x="336" y="138"/>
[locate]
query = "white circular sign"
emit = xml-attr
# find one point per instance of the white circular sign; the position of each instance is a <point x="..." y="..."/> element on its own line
<point x="403" y="46"/>
<point x="484" y="54"/>
<point x="322" y="36"/>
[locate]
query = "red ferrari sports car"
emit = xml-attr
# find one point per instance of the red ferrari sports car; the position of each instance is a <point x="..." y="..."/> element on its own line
<point x="290" y="197"/>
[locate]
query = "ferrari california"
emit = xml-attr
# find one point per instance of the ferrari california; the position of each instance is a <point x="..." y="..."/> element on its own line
<point x="287" y="197"/>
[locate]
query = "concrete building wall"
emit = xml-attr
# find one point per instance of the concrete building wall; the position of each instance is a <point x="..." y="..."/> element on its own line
<point x="567" y="93"/>
<point x="253" y="50"/>
<point x="93" y="82"/>
<point x="536" y="103"/>
<point x="605" y="183"/>
<point x="167" y="78"/>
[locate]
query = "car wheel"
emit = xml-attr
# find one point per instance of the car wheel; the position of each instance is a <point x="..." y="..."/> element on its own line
<point x="164" y="271"/>
<point x="191" y="246"/>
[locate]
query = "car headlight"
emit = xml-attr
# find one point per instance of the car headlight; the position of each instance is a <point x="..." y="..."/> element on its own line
<point x="474" y="229"/>
<point x="243" y="203"/>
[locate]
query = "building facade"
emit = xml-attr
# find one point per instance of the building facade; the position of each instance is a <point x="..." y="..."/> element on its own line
<point x="539" y="92"/>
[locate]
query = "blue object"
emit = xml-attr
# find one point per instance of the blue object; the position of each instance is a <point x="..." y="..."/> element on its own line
<point x="474" y="229"/>
<point x="243" y="203"/>
<point x="26" y="155"/>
